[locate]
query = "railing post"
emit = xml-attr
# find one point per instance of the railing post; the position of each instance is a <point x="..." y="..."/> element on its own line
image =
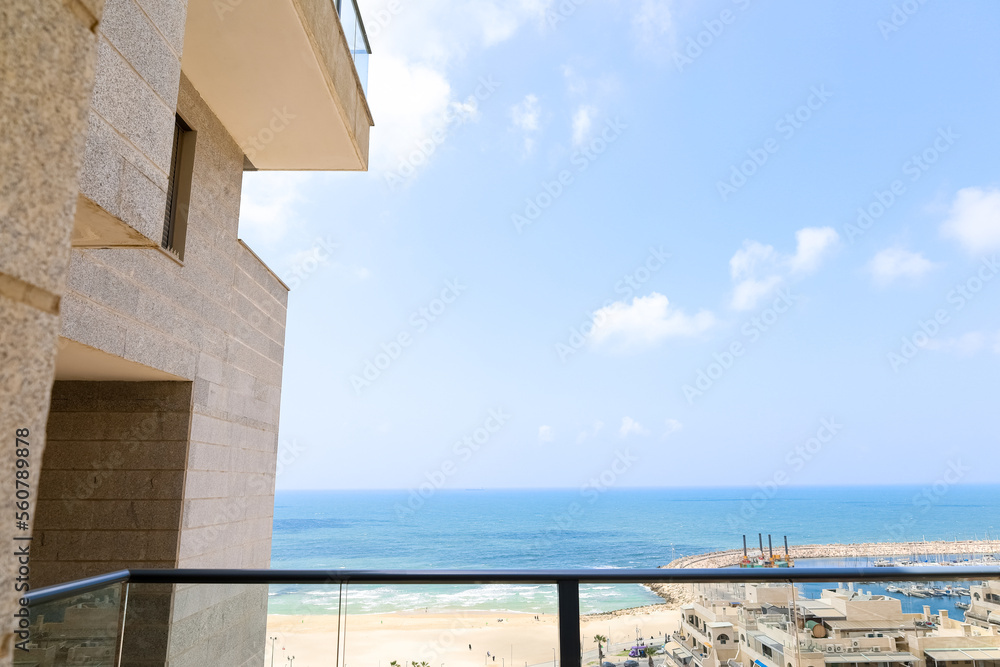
<point x="569" y="622"/>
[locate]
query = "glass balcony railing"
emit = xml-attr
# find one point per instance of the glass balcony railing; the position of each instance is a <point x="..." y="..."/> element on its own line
<point x="357" y="38"/>
<point x="81" y="626"/>
<point x="730" y="617"/>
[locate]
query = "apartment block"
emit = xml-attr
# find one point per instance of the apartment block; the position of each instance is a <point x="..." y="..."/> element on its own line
<point x="143" y="340"/>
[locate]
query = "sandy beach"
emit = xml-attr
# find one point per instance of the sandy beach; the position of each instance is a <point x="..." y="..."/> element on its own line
<point x="444" y="638"/>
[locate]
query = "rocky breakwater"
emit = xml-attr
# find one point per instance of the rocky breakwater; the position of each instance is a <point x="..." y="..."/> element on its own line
<point x="678" y="594"/>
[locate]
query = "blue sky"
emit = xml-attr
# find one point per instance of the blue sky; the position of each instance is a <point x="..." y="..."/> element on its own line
<point x="730" y="242"/>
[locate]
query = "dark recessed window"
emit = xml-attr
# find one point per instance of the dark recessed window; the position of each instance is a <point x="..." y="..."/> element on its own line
<point x="179" y="189"/>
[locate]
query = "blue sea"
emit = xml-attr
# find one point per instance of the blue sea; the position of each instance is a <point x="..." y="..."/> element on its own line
<point x="619" y="528"/>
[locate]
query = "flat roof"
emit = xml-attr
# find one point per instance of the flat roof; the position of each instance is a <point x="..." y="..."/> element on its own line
<point x="841" y="658"/>
<point x="720" y="624"/>
<point x="767" y="641"/>
<point x="952" y="654"/>
<point x="874" y="624"/>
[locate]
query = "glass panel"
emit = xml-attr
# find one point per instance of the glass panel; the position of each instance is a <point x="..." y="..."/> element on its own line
<point x="76" y="630"/>
<point x="873" y="624"/>
<point x="215" y="625"/>
<point x="413" y="624"/>
<point x="351" y="21"/>
<point x="614" y="629"/>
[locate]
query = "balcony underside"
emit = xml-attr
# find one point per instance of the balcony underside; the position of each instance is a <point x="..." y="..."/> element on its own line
<point x="280" y="77"/>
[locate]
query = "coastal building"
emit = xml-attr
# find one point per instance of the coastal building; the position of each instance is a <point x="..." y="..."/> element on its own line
<point x="773" y="626"/>
<point x="707" y="635"/>
<point x="984" y="610"/>
<point x="953" y="643"/>
<point x="142" y="340"/>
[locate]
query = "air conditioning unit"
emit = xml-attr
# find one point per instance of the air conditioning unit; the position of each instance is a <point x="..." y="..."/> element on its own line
<point x="840" y="649"/>
<point x="855" y="643"/>
<point x="829" y="648"/>
<point x="876" y="649"/>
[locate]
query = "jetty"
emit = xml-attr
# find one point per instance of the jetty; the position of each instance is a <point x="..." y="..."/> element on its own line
<point x="677" y="594"/>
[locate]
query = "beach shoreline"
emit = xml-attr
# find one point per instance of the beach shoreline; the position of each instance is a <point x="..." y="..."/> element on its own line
<point x="510" y="638"/>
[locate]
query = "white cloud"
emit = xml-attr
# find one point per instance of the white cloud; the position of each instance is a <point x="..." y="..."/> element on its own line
<point x="749" y="291"/>
<point x="583" y="120"/>
<point x="268" y="205"/>
<point x="647" y="321"/>
<point x="974" y="220"/>
<point x="591" y="432"/>
<point x="524" y="114"/>
<point x="575" y="83"/>
<point x="652" y="22"/>
<point x="672" y="426"/>
<point x="813" y="245"/>
<point x="631" y="427"/>
<point x="545" y="434"/>
<point x="966" y="345"/>
<point x="757" y="269"/>
<point x="414" y="49"/>
<point x="895" y="262"/>
<point x="525" y="117"/>
<point x="412" y="100"/>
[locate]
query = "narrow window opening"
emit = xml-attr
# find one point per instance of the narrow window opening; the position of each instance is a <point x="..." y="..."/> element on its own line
<point x="179" y="189"/>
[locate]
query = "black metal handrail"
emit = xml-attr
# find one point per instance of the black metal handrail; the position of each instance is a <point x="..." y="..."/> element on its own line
<point x="583" y="576"/>
<point x="567" y="582"/>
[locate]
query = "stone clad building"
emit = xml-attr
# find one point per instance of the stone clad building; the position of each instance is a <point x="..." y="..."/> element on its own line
<point x="126" y="292"/>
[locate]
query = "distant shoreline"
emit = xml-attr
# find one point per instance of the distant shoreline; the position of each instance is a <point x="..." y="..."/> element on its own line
<point x="676" y="594"/>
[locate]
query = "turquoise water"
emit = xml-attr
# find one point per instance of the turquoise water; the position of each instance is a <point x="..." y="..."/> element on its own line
<point x="619" y="528"/>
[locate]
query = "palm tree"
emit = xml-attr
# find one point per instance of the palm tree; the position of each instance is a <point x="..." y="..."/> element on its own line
<point x="650" y="652"/>
<point x="600" y="655"/>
